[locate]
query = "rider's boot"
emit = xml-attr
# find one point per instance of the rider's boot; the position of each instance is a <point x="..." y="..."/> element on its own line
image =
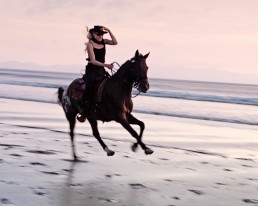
<point x="86" y="104"/>
<point x="81" y="116"/>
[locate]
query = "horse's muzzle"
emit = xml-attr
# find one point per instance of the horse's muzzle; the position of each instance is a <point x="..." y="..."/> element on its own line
<point x="144" y="86"/>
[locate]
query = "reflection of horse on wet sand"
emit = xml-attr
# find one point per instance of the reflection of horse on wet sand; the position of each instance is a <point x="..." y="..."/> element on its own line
<point x="116" y="103"/>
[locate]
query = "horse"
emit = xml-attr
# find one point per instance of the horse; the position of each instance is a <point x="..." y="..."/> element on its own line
<point x="116" y="103"/>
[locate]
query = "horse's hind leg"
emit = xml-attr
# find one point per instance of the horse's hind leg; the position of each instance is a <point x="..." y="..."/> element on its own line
<point x="71" y="118"/>
<point x="132" y="120"/>
<point x="94" y="126"/>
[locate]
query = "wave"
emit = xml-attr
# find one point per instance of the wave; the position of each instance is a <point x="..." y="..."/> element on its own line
<point x="172" y="89"/>
<point x="32" y="84"/>
<point x="30" y="99"/>
<point x="162" y="94"/>
<point x="203" y="117"/>
<point x="160" y="113"/>
<point x="203" y="97"/>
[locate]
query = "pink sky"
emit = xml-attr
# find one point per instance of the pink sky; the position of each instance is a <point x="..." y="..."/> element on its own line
<point x="187" y="34"/>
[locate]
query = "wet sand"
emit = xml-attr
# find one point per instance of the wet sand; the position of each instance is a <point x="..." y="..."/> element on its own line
<point x="194" y="162"/>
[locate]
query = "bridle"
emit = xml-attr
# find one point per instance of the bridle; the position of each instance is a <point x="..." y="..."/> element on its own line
<point x="136" y="84"/>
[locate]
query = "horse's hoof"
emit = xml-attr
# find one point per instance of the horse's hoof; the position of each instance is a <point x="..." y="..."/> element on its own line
<point x="134" y="147"/>
<point x="109" y="152"/>
<point x="75" y="159"/>
<point x="148" y="151"/>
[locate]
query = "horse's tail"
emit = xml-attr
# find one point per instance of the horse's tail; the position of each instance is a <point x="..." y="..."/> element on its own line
<point x="60" y="95"/>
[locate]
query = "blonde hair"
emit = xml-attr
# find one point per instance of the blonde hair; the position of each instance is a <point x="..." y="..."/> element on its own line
<point x="89" y="36"/>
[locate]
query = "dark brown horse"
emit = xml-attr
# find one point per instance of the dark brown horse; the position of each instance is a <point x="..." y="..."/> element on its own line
<point x="116" y="103"/>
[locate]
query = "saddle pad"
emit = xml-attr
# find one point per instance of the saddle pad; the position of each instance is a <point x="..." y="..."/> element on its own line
<point x="76" y="89"/>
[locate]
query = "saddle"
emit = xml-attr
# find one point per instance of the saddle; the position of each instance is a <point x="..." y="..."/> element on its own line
<point x="77" y="88"/>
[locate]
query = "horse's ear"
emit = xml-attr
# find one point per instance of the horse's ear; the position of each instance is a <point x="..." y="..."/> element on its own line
<point x="146" y="55"/>
<point x="136" y="53"/>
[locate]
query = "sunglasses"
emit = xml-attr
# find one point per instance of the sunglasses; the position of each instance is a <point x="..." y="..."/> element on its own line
<point x="99" y="34"/>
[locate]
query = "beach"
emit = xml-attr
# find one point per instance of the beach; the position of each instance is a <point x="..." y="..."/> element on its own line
<point x="190" y="68"/>
<point x="195" y="162"/>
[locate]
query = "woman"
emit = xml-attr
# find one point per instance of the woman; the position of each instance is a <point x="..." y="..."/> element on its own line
<point x="95" y="69"/>
<point x="96" y="48"/>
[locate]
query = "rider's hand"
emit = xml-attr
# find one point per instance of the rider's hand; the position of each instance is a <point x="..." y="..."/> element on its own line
<point x="105" y="28"/>
<point x="109" y="66"/>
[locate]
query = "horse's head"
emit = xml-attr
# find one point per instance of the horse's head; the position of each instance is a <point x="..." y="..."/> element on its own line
<point x="139" y="72"/>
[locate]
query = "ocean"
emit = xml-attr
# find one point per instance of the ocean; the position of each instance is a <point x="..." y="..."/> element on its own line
<point x="208" y="101"/>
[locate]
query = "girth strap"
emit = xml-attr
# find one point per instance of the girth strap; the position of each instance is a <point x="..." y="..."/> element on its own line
<point x="100" y="90"/>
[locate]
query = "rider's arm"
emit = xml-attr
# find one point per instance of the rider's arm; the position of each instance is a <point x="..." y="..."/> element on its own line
<point x="113" y="40"/>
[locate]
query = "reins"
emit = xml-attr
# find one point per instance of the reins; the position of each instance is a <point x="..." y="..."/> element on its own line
<point x="135" y="84"/>
<point x="112" y="72"/>
<point x="135" y="95"/>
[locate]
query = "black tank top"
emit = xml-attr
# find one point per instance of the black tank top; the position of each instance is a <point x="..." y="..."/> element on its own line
<point x="99" y="53"/>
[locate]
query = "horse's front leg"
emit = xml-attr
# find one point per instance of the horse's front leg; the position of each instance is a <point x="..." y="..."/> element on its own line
<point x="122" y="120"/>
<point x="95" y="131"/>
<point x="132" y="120"/>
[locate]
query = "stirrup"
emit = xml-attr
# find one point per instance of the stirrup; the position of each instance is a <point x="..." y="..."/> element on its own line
<point x="81" y="118"/>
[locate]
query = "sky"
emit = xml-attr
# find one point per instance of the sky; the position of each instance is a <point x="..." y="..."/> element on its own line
<point x="205" y="39"/>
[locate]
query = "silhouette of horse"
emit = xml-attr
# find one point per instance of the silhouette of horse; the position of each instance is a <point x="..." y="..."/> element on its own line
<point x="116" y="103"/>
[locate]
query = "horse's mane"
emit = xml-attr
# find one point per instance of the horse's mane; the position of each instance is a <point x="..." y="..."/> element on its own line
<point x="122" y="69"/>
<point x="124" y="66"/>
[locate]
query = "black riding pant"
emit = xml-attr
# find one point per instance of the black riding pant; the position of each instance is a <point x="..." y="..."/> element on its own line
<point x="93" y="75"/>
